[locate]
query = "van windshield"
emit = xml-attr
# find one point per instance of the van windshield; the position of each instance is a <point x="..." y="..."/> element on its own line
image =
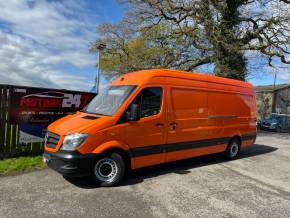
<point x="109" y="100"/>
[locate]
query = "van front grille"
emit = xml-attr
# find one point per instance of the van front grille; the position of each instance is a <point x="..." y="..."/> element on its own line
<point x="51" y="140"/>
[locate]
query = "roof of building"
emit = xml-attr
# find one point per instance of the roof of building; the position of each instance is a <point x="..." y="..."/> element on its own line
<point x="270" y="88"/>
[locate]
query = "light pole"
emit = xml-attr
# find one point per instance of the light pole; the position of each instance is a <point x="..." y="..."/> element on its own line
<point x="274" y="93"/>
<point x="100" y="47"/>
<point x="275" y="75"/>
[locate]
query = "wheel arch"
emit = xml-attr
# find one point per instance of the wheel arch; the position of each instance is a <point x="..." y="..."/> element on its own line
<point x="115" y="147"/>
<point x="124" y="154"/>
<point x="236" y="136"/>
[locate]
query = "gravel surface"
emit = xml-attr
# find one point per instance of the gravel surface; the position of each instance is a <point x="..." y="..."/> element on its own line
<point x="255" y="185"/>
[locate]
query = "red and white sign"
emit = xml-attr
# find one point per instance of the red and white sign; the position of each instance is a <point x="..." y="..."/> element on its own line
<point x="37" y="105"/>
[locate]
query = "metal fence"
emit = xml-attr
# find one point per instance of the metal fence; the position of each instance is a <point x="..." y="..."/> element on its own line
<point x="9" y="133"/>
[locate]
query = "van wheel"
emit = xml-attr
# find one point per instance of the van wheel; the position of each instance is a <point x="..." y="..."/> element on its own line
<point x="233" y="149"/>
<point x="278" y="129"/>
<point x="109" y="170"/>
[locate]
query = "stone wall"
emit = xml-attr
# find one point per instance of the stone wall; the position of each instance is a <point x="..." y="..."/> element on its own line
<point x="282" y="101"/>
<point x="264" y="104"/>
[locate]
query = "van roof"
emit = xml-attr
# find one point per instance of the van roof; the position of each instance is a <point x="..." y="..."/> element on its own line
<point x="143" y="76"/>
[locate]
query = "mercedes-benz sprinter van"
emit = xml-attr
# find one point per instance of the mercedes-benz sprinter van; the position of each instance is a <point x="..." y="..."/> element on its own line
<point x="152" y="117"/>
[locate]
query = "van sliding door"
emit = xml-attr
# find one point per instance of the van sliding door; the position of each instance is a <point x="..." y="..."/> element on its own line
<point x="187" y="122"/>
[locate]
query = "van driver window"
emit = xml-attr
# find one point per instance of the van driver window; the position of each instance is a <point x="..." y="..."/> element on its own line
<point x="149" y="100"/>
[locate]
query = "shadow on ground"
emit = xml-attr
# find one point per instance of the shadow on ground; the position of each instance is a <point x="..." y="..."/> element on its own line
<point x="179" y="167"/>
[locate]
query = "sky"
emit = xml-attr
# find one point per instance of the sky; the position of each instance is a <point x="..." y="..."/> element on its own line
<point x="44" y="43"/>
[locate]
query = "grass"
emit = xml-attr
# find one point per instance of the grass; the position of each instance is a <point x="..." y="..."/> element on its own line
<point x="20" y="164"/>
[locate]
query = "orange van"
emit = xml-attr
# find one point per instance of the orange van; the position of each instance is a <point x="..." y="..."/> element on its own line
<point x="152" y="117"/>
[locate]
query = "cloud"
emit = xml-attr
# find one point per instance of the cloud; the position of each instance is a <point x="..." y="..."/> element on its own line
<point x="21" y="64"/>
<point x="39" y="36"/>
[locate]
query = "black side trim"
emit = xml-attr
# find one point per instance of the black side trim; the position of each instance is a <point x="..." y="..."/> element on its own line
<point x="157" y="149"/>
<point x="148" y="150"/>
<point x="249" y="136"/>
<point x="196" y="144"/>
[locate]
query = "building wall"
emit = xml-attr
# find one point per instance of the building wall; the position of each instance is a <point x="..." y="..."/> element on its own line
<point x="282" y="101"/>
<point x="264" y="104"/>
<point x="266" y="98"/>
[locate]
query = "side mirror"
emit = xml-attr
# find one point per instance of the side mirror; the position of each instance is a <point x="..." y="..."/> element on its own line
<point x="133" y="114"/>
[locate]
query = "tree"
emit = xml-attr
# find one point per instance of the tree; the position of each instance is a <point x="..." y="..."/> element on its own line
<point x="219" y="32"/>
<point x="129" y="49"/>
<point x="263" y="105"/>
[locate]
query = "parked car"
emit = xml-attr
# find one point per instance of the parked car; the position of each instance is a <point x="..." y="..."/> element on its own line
<point x="259" y="124"/>
<point x="276" y="122"/>
<point x="152" y="117"/>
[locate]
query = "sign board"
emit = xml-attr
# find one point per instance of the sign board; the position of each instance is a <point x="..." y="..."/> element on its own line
<point x="32" y="133"/>
<point x="43" y="106"/>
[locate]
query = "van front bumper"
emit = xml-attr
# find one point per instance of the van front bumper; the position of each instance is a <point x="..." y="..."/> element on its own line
<point x="70" y="163"/>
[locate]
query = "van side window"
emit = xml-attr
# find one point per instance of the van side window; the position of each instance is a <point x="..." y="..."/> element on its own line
<point x="151" y="99"/>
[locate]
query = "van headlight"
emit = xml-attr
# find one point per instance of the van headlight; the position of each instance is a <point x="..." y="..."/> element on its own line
<point x="71" y="142"/>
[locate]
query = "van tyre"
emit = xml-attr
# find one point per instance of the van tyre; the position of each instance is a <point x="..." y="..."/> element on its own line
<point x="278" y="129"/>
<point x="233" y="149"/>
<point x="109" y="170"/>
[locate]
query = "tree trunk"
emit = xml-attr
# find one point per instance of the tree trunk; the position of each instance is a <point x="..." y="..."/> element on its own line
<point x="229" y="60"/>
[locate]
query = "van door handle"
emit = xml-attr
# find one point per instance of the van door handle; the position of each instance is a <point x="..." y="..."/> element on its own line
<point x="159" y="124"/>
<point x="173" y="125"/>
